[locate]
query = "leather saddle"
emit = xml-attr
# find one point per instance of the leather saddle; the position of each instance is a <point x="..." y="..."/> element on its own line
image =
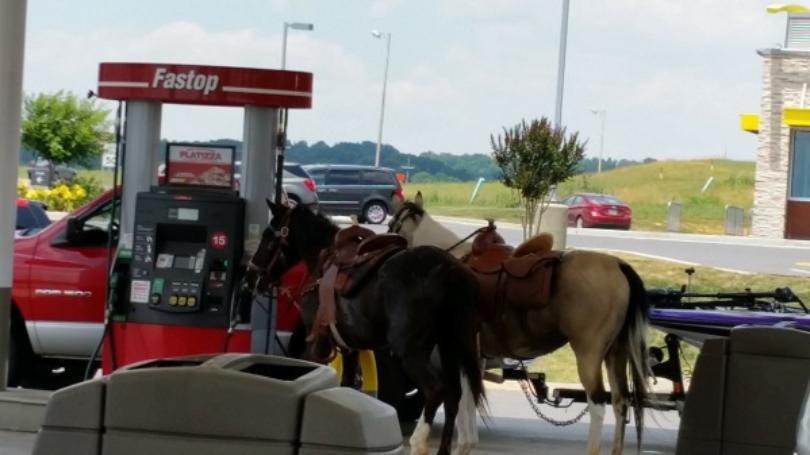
<point x="512" y="277"/>
<point x="354" y="258"/>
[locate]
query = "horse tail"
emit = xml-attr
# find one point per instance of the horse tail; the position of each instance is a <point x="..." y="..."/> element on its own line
<point x="461" y="323"/>
<point x="634" y="336"/>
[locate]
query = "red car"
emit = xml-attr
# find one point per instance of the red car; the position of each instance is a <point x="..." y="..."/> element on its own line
<point x="598" y="210"/>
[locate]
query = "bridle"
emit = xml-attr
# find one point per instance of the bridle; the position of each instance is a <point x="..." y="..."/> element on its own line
<point x="410" y="211"/>
<point x="279" y="241"/>
<point x="399" y="219"/>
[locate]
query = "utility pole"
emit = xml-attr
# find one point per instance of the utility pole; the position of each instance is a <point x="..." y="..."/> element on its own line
<point x="561" y="65"/>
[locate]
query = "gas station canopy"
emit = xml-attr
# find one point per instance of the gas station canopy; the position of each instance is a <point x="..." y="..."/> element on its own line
<point x="205" y="85"/>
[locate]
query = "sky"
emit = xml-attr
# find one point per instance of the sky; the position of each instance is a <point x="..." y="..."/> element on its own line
<point x="671" y="75"/>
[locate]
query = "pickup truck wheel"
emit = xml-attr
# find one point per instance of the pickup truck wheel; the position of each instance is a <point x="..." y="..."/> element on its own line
<point x="20" y="355"/>
<point x="374" y="212"/>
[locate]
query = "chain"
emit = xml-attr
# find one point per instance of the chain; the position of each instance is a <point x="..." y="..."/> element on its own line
<point x="532" y="397"/>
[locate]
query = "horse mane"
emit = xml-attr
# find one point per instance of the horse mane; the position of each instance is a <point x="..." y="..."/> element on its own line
<point x="413" y="208"/>
<point x="314" y="232"/>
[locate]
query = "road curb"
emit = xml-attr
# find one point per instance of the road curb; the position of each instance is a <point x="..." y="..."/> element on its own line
<point x="650" y="235"/>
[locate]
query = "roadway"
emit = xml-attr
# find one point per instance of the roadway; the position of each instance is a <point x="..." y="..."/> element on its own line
<point x="738" y="254"/>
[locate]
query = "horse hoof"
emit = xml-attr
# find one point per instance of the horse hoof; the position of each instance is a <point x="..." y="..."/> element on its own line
<point x="463" y="449"/>
<point x="419" y="449"/>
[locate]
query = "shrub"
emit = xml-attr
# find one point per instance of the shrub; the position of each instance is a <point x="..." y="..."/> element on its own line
<point x="63" y="197"/>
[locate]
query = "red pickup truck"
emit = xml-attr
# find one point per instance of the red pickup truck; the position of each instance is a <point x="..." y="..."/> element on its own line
<point x="58" y="294"/>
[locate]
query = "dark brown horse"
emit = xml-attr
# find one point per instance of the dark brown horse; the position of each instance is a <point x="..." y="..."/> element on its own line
<point x="598" y="304"/>
<point x="420" y="300"/>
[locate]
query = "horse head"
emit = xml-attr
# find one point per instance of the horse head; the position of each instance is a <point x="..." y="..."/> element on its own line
<point x="275" y="253"/>
<point x="407" y="217"/>
<point x="294" y="234"/>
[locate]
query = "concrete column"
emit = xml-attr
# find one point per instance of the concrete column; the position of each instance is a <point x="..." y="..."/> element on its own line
<point x="258" y="176"/>
<point x="12" y="45"/>
<point x="141" y="160"/>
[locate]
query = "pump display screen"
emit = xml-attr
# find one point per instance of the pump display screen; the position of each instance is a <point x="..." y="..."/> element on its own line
<point x="184" y="262"/>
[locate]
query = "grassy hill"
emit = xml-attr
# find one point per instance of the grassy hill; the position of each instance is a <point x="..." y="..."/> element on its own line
<point x="646" y="188"/>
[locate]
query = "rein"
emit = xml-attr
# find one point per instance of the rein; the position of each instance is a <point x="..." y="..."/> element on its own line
<point x="396" y="226"/>
<point x="280" y="235"/>
<point x="472" y="234"/>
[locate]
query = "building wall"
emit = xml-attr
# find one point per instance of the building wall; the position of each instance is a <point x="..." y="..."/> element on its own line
<point x="783" y="74"/>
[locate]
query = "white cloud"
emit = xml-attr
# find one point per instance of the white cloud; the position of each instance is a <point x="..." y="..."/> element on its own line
<point x="381" y="8"/>
<point x="57" y="60"/>
<point x="672" y="74"/>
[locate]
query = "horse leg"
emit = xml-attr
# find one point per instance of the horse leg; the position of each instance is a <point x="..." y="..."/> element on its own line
<point x="619" y="391"/>
<point x="589" y="365"/>
<point x="466" y="420"/>
<point x="452" y="389"/>
<point x="423" y="375"/>
<point x="350" y="362"/>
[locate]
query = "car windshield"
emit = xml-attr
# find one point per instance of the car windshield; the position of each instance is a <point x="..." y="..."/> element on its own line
<point x="603" y="199"/>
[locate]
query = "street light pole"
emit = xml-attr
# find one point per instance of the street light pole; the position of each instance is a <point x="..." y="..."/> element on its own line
<point x="603" y="114"/>
<point x="561" y="65"/>
<point x="295" y="26"/>
<point x="284" y="47"/>
<point x="377" y="34"/>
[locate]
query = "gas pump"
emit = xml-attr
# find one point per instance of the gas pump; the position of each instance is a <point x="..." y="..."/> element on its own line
<point x="185" y="258"/>
<point x="184" y="243"/>
<point x="187" y="242"/>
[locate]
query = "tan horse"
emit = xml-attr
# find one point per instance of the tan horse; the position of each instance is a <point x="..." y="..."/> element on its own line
<point x="598" y="304"/>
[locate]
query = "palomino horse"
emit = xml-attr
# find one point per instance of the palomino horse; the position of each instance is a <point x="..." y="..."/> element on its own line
<point x="598" y="304"/>
<point x="418" y="300"/>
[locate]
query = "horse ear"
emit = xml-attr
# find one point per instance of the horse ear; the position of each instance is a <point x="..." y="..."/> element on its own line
<point x="418" y="199"/>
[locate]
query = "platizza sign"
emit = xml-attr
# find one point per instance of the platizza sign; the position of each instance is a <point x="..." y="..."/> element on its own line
<point x="200" y="165"/>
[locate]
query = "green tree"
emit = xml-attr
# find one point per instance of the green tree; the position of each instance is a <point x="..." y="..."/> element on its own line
<point x="63" y="128"/>
<point x="533" y="159"/>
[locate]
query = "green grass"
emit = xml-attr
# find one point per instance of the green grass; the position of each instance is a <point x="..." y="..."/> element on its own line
<point x="103" y="176"/>
<point x="647" y="188"/>
<point x="560" y="366"/>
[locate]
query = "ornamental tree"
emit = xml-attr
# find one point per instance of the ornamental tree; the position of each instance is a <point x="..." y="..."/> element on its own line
<point x="63" y="128"/>
<point x="534" y="157"/>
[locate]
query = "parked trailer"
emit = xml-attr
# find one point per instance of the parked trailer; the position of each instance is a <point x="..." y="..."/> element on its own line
<point x="690" y="317"/>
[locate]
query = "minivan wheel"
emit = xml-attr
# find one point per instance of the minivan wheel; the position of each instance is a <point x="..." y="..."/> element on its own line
<point x="375" y="212"/>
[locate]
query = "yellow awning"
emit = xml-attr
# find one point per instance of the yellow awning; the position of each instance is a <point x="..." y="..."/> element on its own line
<point x="786" y="8"/>
<point x="796" y="116"/>
<point x="749" y="122"/>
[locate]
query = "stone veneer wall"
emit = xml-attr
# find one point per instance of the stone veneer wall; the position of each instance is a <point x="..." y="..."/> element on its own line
<point x="783" y="73"/>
